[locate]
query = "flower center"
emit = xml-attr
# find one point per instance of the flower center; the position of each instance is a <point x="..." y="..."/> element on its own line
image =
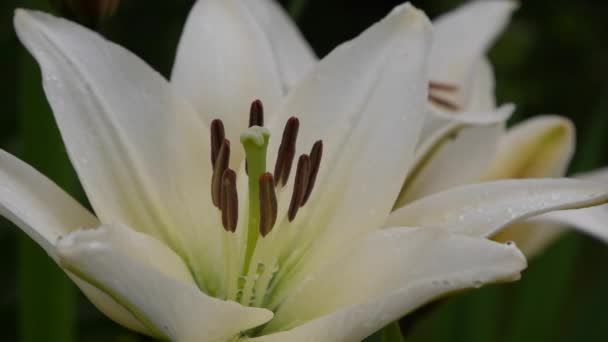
<point x="255" y="270"/>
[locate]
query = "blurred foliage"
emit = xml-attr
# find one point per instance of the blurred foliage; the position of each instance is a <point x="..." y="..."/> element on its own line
<point x="552" y="59"/>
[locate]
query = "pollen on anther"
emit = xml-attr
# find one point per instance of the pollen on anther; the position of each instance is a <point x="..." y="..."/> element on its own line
<point x="268" y="204"/>
<point x="299" y="187"/>
<point x="217" y="138"/>
<point x="229" y="203"/>
<point x="256" y="114"/>
<point x="287" y="151"/>
<point x="315" y="163"/>
<point x="221" y="164"/>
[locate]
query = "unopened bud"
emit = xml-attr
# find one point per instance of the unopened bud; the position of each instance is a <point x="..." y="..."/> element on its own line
<point x="88" y="12"/>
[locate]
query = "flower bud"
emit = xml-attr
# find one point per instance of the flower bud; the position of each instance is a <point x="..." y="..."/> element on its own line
<point x="88" y="12"/>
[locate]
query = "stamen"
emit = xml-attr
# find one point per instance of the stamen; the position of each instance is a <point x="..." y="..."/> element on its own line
<point x="229" y="201"/>
<point x="287" y="151"/>
<point x="444" y="103"/>
<point x="256" y="114"/>
<point x="221" y="164"/>
<point x="217" y="138"/>
<point x="440" y="86"/>
<point x="315" y="162"/>
<point x="268" y="204"/>
<point x="299" y="187"/>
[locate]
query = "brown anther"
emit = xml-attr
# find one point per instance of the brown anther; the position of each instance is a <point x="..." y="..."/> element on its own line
<point x="221" y="164"/>
<point x="299" y="187"/>
<point x="217" y="138"/>
<point x="440" y="86"/>
<point x="256" y="114"/>
<point x="229" y="203"/>
<point x="268" y="204"/>
<point x="315" y="162"/>
<point x="287" y="151"/>
<point x="444" y="103"/>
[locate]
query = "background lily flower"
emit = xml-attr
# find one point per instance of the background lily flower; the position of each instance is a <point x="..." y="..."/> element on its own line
<point x="274" y="263"/>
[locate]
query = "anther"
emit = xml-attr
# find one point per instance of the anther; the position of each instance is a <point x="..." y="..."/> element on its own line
<point x="229" y="202"/>
<point x="299" y="187"/>
<point x="256" y="114"/>
<point x="268" y="204"/>
<point x="315" y="162"/>
<point x="221" y="164"/>
<point x="443" y="103"/>
<point x="287" y="151"/>
<point x="217" y="138"/>
<point x="440" y="86"/>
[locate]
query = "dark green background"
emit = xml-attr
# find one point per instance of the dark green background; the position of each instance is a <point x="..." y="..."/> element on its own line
<point x="552" y="59"/>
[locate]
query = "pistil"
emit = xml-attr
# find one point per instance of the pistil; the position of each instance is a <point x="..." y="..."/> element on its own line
<point x="255" y="142"/>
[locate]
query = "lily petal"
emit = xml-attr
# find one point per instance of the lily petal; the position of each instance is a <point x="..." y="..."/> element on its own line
<point x="485" y="209"/>
<point x="538" y="232"/>
<point x="482" y="88"/>
<point x="382" y="278"/>
<point x="462" y="37"/>
<point x="153" y="283"/>
<point x="46" y="213"/>
<point x="225" y="61"/>
<point x="294" y="56"/>
<point x="538" y="147"/>
<point x="445" y="148"/>
<point x="37" y="205"/>
<point x="365" y="100"/>
<point x="140" y="152"/>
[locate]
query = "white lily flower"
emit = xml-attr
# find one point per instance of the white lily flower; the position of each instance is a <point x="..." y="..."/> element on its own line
<point x="183" y="248"/>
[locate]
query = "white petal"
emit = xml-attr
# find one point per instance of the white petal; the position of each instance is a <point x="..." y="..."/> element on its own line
<point x="598" y="175"/>
<point x="364" y="100"/>
<point x="37" y="205"/>
<point x="46" y="213"/>
<point x="482" y="88"/>
<point x="152" y="282"/>
<point x="486" y="208"/>
<point x="592" y="221"/>
<point x="140" y="152"/>
<point x="462" y="37"/>
<point x="538" y="147"/>
<point x="294" y="56"/>
<point x="439" y="163"/>
<point x="386" y="275"/>
<point x="224" y="62"/>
